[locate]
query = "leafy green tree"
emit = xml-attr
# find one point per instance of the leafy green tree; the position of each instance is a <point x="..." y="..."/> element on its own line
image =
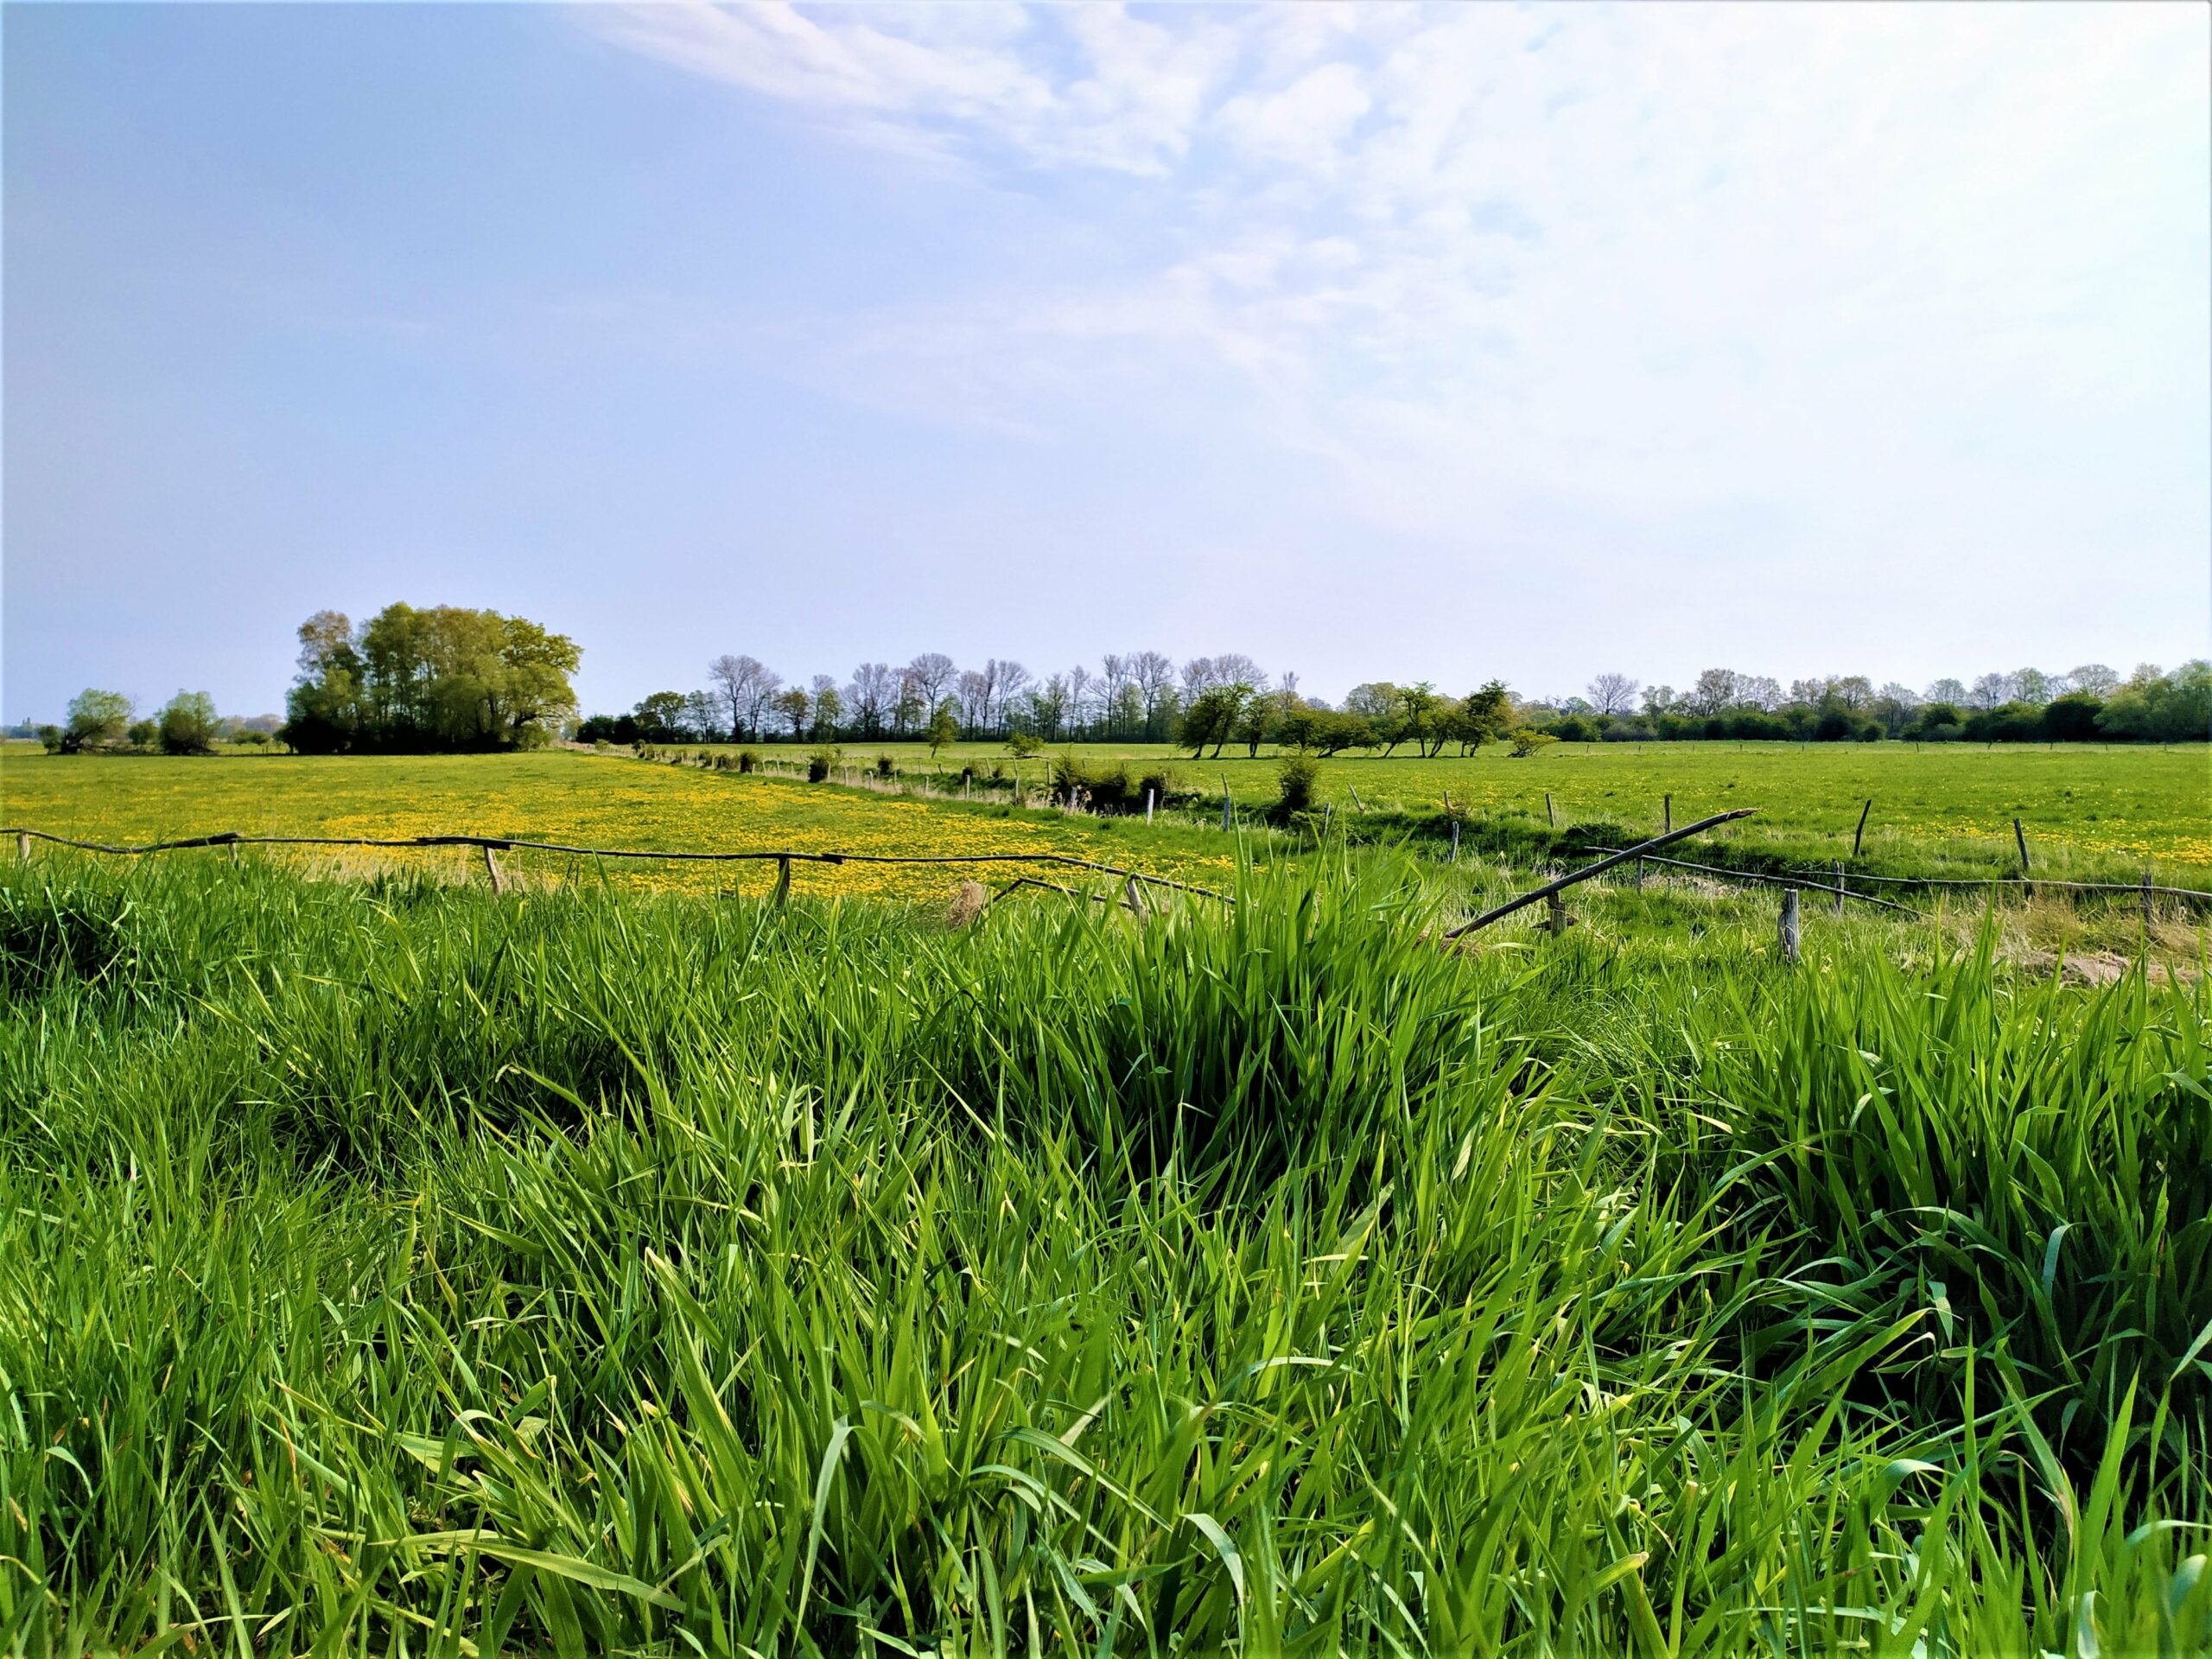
<point x="145" y="734"/>
<point x="1485" y="716"/>
<point x="415" y="681"/>
<point x="660" y="717"/>
<point x="188" y="725"/>
<point x="96" y="721"/>
<point x="944" y="726"/>
<point x="1211" y="717"/>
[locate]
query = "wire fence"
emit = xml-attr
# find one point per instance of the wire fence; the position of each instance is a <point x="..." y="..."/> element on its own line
<point x="1807" y="882"/>
<point x="783" y="857"/>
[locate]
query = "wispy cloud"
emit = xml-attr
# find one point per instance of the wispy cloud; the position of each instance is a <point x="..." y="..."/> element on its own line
<point x="1649" y="254"/>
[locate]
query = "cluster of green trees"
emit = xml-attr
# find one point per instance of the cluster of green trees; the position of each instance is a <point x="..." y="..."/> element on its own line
<point x="101" y="722"/>
<point x="1378" y="717"/>
<point x="2091" y="703"/>
<point x="410" y="680"/>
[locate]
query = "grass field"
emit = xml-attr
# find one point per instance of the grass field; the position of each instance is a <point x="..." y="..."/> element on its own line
<point x="2097" y="813"/>
<point x="589" y="800"/>
<point x="2129" y="805"/>
<point x="387" y="1267"/>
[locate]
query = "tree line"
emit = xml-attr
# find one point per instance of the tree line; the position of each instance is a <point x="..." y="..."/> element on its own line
<point x="445" y="678"/>
<point x="1214" y="703"/>
<point x="2091" y="703"/>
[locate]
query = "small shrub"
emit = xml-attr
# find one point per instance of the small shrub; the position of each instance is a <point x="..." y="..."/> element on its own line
<point x="1295" y="776"/>
<point x="1022" y="745"/>
<point x="820" y="763"/>
<point x="1162" y="783"/>
<point x="885" y="766"/>
<point x="1526" y="741"/>
<point x="747" y="761"/>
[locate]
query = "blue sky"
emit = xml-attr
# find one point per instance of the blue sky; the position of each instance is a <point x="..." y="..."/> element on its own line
<point x="1376" y="342"/>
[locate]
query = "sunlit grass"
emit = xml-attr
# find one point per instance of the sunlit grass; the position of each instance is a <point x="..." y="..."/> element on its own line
<point x="386" y="1265"/>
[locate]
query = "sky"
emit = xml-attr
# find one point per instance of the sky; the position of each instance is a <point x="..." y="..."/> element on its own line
<point x="1377" y="342"/>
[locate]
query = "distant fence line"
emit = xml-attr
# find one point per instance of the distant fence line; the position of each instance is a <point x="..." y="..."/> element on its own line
<point x="1809" y="882"/>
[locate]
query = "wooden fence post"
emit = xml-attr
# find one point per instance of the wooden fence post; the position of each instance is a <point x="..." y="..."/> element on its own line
<point x="1147" y="803"/>
<point x="1550" y="817"/>
<point x="1860" y="833"/>
<point x="1556" y="919"/>
<point x="1839" y="886"/>
<point x="1667" y="814"/>
<point x="492" y="869"/>
<point x="2146" y="899"/>
<point x="1133" y="899"/>
<point x="1357" y="804"/>
<point x="1788" y="928"/>
<point x="1455" y="840"/>
<point x="2020" y="836"/>
<point x="23" y="846"/>
<point x="782" y="896"/>
<point x="1639" y="875"/>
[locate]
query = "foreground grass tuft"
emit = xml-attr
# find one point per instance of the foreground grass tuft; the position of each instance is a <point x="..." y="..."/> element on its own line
<point x="392" y="1267"/>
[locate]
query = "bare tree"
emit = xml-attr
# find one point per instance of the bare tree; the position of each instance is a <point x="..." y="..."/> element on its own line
<point x="1199" y="678"/>
<point x="1010" y="679"/>
<point x="1989" y="690"/>
<point x="744" y="687"/>
<point x="1761" y="692"/>
<point x="2094" y="678"/>
<point x="1715" y="690"/>
<point x="932" y="674"/>
<point x="1114" y="683"/>
<point x="1237" y="669"/>
<point x="1082" y="687"/>
<point x="1153" y="675"/>
<point x="1946" y="690"/>
<point x="729" y="676"/>
<point x="1613" y="694"/>
<point x="867" y="700"/>
<point x="974" y="701"/>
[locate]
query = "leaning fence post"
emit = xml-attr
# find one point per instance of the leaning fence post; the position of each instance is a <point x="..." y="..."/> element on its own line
<point x="1455" y="840"/>
<point x="1148" y="805"/>
<point x="492" y="869"/>
<point x="783" y="894"/>
<point x="1667" y="813"/>
<point x="2020" y="836"/>
<point x="1860" y="833"/>
<point x="1133" y="899"/>
<point x="1550" y="817"/>
<point x="1788" y="929"/>
<point x="1839" y="886"/>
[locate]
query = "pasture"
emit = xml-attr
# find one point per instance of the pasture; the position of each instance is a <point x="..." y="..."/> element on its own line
<point x="2119" y="807"/>
<point x="581" y="799"/>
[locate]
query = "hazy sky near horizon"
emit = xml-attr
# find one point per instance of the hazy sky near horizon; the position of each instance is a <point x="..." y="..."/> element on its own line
<point x="1373" y="342"/>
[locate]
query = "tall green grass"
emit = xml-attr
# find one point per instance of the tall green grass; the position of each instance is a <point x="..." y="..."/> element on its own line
<point x="389" y="1267"/>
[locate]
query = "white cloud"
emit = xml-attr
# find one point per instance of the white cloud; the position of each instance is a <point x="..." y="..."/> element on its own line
<point x="1879" y="268"/>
